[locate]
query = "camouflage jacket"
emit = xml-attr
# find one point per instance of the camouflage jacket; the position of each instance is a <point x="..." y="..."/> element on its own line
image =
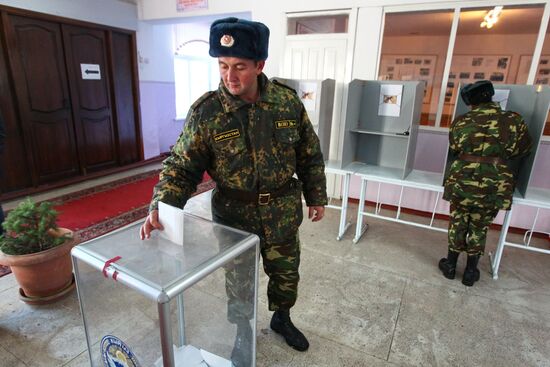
<point x="253" y="147"/>
<point x="486" y="131"/>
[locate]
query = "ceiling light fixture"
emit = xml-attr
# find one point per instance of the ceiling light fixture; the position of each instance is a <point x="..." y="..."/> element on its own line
<point x="491" y="17"/>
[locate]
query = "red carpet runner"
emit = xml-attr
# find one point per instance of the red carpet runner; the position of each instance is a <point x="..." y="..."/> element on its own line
<point x="93" y="212"/>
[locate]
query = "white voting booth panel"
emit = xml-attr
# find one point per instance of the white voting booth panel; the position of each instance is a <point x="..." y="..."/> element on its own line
<point x="157" y="303"/>
<point x="318" y="99"/>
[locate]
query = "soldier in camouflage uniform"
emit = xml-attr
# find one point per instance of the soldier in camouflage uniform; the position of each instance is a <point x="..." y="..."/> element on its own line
<point x="251" y="136"/>
<point x="479" y="182"/>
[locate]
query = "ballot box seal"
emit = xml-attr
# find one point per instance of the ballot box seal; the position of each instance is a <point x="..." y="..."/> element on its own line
<point x="115" y="353"/>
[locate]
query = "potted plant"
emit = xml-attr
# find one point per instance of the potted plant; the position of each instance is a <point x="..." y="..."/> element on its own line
<point x="38" y="252"/>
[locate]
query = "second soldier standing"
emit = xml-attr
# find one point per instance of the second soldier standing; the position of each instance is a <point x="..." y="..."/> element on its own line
<point x="480" y="182"/>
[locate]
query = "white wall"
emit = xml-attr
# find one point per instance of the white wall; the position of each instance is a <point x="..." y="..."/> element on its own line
<point x="155" y="52"/>
<point x="108" y="12"/>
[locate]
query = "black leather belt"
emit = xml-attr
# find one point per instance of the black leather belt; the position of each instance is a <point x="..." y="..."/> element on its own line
<point x="479" y="159"/>
<point x="261" y="198"/>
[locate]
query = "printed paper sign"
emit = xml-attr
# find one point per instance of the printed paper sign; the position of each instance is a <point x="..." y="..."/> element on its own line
<point x="390" y="100"/>
<point x="308" y="93"/>
<point x="186" y="5"/>
<point x="501" y="96"/>
<point x="90" y="71"/>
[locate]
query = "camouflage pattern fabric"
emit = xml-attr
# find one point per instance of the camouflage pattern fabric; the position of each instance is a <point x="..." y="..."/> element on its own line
<point x="254" y="147"/>
<point x="478" y="190"/>
<point x="468" y="228"/>
<point x="485" y="131"/>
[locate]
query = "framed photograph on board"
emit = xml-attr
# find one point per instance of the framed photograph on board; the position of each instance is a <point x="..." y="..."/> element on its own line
<point x="471" y="68"/>
<point x="409" y="67"/>
<point x="543" y="70"/>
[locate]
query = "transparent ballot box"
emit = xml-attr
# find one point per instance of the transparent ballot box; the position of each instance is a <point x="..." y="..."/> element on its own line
<point x="158" y="303"/>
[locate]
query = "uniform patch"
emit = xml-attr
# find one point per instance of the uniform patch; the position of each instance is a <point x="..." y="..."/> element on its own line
<point x="231" y="134"/>
<point x="285" y="124"/>
<point x="115" y="353"/>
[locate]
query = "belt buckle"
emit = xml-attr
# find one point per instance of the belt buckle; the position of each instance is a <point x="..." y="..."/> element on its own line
<point x="263" y="199"/>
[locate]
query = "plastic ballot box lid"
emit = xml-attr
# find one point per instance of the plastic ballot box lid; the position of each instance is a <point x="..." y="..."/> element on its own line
<point x="158" y="266"/>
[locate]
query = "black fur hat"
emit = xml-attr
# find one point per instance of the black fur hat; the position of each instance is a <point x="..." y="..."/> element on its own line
<point x="479" y="92"/>
<point x="233" y="37"/>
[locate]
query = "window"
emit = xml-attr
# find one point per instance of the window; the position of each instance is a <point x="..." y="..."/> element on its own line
<point x="414" y="47"/>
<point x="494" y="53"/>
<point x="337" y="23"/>
<point x="501" y="53"/>
<point x="195" y="71"/>
<point x="542" y="74"/>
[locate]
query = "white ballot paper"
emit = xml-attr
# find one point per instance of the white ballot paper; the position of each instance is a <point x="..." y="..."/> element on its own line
<point x="190" y="356"/>
<point x="171" y="219"/>
<point x="501" y="97"/>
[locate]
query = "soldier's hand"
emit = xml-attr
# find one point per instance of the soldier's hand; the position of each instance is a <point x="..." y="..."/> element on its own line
<point x="151" y="223"/>
<point x="316" y="212"/>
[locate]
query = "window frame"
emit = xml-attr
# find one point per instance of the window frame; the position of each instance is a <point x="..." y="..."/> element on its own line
<point x="212" y="67"/>
<point x="457" y="7"/>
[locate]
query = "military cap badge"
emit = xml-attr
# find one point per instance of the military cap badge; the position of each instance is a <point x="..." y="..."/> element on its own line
<point x="227" y="40"/>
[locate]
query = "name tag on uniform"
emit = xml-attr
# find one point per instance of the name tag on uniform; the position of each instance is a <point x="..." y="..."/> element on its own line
<point x="285" y="124"/>
<point x="231" y="134"/>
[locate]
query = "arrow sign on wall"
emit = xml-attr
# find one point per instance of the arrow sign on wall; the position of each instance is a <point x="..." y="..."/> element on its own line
<point x="90" y="71"/>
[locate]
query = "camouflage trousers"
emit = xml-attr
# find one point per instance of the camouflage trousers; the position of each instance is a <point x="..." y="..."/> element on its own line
<point x="280" y="258"/>
<point x="468" y="227"/>
<point x="280" y="263"/>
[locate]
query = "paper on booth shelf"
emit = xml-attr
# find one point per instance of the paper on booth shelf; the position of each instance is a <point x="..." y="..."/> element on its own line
<point x="171" y="219"/>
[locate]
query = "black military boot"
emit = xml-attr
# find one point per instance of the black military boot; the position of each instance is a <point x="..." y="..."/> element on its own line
<point x="471" y="273"/>
<point x="281" y="324"/>
<point x="447" y="265"/>
<point x="241" y="354"/>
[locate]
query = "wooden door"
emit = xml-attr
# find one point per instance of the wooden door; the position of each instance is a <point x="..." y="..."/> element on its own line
<point x="14" y="159"/>
<point x="125" y="96"/>
<point x="86" y="58"/>
<point x="40" y="82"/>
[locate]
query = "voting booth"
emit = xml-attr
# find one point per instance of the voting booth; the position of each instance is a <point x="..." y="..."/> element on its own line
<point x="382" y="120"/>
<point x="169" y="302"/>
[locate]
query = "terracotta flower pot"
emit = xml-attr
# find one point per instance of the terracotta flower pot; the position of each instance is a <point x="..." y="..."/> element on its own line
<point x="44" y="276"/>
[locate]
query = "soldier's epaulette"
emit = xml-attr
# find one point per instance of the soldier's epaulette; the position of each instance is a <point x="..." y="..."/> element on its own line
<point x="276" y="82"/>
<point x="201" y="99"/>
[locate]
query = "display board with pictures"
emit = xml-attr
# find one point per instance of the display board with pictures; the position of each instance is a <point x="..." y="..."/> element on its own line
<point x="471" y="68"/>
<point x="410" y="67"/>
<point x="543" y="70"/>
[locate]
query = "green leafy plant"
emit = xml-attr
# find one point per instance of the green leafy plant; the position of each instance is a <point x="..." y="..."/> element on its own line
<point x="30" y="228"/>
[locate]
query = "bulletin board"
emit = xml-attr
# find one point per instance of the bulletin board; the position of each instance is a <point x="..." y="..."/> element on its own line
<point x="410" y="67"/>
<point x="471" y="68"/>
<point x="543" y="70"/>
